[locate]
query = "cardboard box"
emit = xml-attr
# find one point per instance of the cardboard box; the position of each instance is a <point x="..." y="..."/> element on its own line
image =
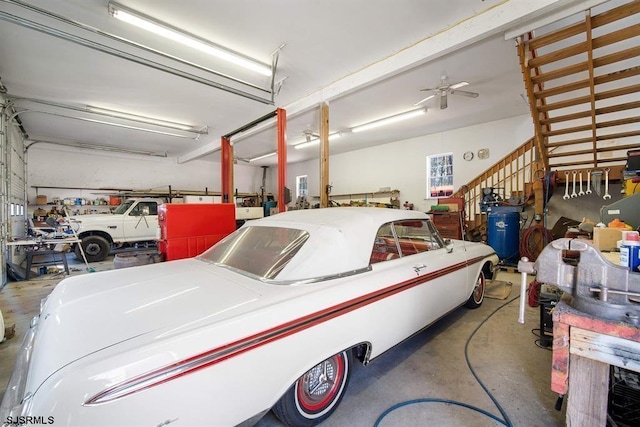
<point x="606" y="239"/>
<point x="41" y="200"/>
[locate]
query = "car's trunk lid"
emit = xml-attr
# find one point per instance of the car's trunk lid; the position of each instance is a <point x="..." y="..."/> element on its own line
<point x="88" y="313"/>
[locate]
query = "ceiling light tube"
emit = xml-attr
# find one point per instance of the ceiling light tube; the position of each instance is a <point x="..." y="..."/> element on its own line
<point x="424" y="100"/>
<point x="165" y="30"/>
<point x="143" y="119"/>
<point x="389" y="120"/>
<point x="316" y="140"/>
<point x="264" y="156"/>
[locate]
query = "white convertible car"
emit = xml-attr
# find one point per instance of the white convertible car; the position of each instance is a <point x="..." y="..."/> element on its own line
<point x="270" y="318"/>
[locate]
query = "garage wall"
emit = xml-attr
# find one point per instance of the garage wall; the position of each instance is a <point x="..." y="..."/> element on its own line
<point x="12" y="191"/>
<point x="59" y="166"/>
<point x="401" y="165"/>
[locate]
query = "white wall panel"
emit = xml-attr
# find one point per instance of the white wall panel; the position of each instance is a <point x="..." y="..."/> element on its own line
<point x="402" y="165"/>
<point x="59" y="166"/>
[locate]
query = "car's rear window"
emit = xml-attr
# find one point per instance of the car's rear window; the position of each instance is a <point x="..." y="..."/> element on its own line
<point x="260" y="251"/>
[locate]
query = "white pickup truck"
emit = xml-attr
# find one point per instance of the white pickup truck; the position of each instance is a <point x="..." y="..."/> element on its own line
<point x="133" y="222"/>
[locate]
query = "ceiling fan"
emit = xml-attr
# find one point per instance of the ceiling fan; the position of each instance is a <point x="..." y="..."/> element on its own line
<point x="444" y="89"/>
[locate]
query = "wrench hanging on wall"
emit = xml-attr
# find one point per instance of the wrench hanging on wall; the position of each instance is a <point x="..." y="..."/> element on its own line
<point x="581" y="193"/>
<point x="566" y="186"/>
<point x="574" y="194"/>
<point x="606" y="196"/>
<point x="588" y="182"/>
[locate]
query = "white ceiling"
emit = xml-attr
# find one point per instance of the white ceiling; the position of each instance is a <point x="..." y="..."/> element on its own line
<point x="367" y="58"/>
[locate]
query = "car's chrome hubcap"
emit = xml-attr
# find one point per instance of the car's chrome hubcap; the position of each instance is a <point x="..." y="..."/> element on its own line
<point x="319" y="386"/>
<point x="479" y="289"/>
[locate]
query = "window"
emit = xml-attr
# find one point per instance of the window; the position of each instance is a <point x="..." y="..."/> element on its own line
<point x="145" y="208"/>
<point x="404" y="238"/>
<point x="416" y="236"/>
<point x="439" y="175"/>
<point x="301" y="186"/>
<point x="260" y="251"/>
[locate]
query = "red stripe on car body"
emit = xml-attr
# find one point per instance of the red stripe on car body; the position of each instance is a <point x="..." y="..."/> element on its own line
<point x="219" y="354"/>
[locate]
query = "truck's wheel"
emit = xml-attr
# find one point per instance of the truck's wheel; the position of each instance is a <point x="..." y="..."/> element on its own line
<point x="96" y="248"/>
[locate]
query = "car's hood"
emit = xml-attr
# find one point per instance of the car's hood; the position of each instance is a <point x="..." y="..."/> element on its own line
<point x="88" y="313"/>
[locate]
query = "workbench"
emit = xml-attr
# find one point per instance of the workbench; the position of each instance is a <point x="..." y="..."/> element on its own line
<point x="584" y="347"/>
<point x="52" y="250"/>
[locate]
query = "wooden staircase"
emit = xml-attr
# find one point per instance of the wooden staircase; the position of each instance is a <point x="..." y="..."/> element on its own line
<point x="582" y="79"/>
<point x="583" y="89"/>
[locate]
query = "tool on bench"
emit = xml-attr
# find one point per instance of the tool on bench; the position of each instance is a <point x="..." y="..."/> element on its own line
<point x="597" y="286"/>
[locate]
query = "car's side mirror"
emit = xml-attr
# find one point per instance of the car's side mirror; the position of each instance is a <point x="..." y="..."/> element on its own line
<point x="448" y="245"/>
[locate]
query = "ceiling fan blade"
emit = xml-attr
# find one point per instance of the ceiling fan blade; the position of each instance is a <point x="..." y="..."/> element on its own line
<point x="465" y="93"/>
<point x="443" y="100"/>
<point x="426" y="89"/>
<point x="424" y="100"/>
<point x="459" y="85"/>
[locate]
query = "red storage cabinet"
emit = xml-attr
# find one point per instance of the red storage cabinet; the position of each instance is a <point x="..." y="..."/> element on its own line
<point x="187" y="230"/>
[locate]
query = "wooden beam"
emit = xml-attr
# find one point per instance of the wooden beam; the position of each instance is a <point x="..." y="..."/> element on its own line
<point x="592" y="88"/>
<point x="599" y="111"/>
<point x="536" y="115"/>
<point x="607" y="78"/>
<point x="588" y="98"/>
<point x="598" y="21"/>
<point x="578" y="48"/>
<point x="324" y="155"/>
<point x="584" y="66"/>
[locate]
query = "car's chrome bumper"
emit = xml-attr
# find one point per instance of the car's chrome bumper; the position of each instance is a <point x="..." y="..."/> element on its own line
<point x="15" y="402"/>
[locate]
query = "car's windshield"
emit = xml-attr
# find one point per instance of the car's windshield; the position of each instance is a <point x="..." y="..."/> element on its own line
<point x="260" y="251"/>
<point x="123" y="207"/>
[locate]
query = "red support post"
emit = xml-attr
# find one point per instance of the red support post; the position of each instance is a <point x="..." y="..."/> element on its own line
<point x="227" y="168"/>
<point x="282" y="157"/>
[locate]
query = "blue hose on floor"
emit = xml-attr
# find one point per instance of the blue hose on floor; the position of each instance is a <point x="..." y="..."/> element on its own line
<point x="505" y="420"/>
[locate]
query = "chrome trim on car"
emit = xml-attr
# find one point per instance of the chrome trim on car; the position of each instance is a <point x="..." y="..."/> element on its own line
<point x="290" y="282"/>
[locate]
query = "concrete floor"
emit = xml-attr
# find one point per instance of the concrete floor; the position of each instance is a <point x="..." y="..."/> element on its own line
<point x="430" y="365"/>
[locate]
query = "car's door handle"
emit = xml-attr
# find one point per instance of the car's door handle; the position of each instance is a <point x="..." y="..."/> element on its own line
<point x="113" y="227"/>
<point x="419" y="267"/>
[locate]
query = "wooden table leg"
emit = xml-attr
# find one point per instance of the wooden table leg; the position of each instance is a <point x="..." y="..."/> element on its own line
<point x="588" y="392"/>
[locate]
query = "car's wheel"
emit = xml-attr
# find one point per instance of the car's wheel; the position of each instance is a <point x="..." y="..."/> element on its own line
<point x="477" y="296"/>
<point x="317" y="393"/>
<point x="96" y="248"/>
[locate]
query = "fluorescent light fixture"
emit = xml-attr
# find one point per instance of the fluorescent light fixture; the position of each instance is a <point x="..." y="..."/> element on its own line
<point x="264" y="156"/>
<point x="165" y="30"/>
<point x="424" y="100"/>
<point x="315" y="140"/>
<point x="143" y="119"/>
<point x="388" y="120"/>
